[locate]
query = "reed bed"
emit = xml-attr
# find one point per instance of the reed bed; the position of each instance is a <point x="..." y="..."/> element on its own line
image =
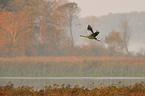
<point x="72" y="66"/>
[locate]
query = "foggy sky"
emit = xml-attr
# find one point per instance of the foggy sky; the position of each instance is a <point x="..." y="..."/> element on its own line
<point x="104" y="7"/>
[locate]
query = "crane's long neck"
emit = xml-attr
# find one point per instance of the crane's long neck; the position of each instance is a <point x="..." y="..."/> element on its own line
<point x="83" y="36"/>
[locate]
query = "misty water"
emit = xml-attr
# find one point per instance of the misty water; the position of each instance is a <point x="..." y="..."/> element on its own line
<point x="40" y="82"/>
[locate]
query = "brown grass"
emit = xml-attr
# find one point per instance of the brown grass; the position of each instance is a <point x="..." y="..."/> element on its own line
<point x="119" y="89"/>
<point x="72" y="66"/>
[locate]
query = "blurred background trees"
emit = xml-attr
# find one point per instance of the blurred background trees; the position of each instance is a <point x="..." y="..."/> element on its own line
<point x="48" y="28"/>
<point x="126" y="34"/>
<point x="69" y="11"/>
<point x="115" y="43"/>
<point x="30" y="27"/>
<point x="16" y="32"/>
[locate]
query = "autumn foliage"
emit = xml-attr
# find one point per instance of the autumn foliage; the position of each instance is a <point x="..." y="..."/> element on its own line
<point x="47" y="28"/>
<point x="119" y="89"/>
<point x="115" y="43"/>
<point x="15" y="33"/>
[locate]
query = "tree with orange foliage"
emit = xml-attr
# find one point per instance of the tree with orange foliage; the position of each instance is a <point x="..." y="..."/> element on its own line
<point x="115" y="43"/>
<point x="15" y="32"/>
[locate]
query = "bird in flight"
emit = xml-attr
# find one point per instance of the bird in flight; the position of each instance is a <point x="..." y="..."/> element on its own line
<point x="93" y="35"/>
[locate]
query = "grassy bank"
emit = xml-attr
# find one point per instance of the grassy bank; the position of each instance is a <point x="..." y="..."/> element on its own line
<point x="72" y="66"/>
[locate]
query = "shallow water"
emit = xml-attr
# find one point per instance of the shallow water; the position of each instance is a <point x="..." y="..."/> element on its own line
<point x="64" y="78"/>
<point x="40" y="82"/>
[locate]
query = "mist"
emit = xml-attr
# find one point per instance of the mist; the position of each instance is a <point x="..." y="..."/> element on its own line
<point x="51" y="47"/>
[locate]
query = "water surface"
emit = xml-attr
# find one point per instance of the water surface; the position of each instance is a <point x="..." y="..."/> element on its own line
<point x="40" y="82"/>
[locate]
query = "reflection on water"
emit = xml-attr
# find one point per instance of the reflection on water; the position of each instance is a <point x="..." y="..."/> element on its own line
<point x="40" y="82"/>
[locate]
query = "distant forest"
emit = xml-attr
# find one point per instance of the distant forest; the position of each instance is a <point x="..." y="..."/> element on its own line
<point x="46" y="28"/>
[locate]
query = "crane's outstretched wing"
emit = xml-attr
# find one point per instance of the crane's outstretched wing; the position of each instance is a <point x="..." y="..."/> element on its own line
<point x="90" y="28"/>
<point x="96" y="33"/>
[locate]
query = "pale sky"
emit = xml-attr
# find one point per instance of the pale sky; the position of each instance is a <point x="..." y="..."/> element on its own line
<point x="104" y="7"/>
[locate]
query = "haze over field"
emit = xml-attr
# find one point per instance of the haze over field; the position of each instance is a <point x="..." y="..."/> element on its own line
<point x="105" y="24"/>
<point x="53" y="28"/>
<point x="44" y="43"/>
<point x="109" y="14"/>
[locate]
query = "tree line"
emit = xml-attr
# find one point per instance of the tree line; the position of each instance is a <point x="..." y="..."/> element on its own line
<point x="34" y="27"/>
<point x="39" y="28"/>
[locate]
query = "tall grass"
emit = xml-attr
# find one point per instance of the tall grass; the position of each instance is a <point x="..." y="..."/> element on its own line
<point x="72" y="66"/>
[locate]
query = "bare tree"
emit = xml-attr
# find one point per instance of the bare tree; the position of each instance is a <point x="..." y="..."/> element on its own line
<point x="69" y="11"/>
<point x="126" y="34"/>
